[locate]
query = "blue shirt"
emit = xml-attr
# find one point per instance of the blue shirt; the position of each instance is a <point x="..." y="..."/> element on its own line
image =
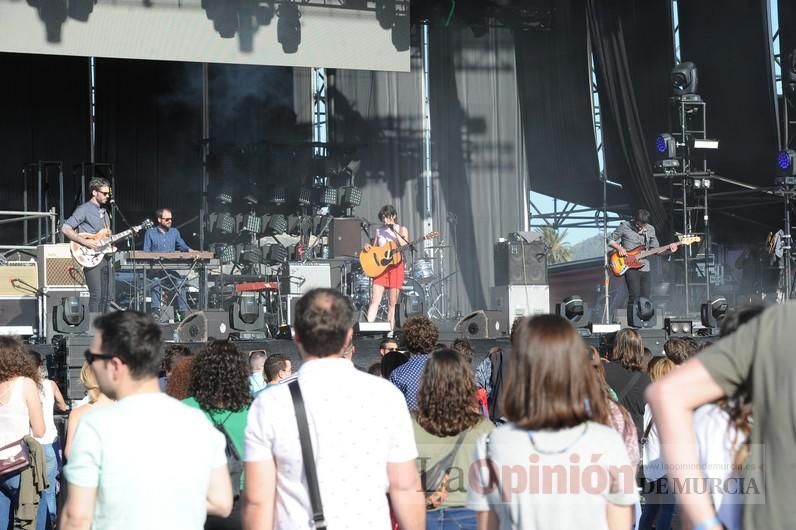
<point x="407" y="378"/>
<point x="169" y="241"/>
<point x="88" y="218"/>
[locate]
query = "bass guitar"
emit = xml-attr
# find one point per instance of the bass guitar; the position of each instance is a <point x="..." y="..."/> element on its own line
<point x="376" y="260"/>
<point x="91" y="257"/>
<point x="621" y="264"/>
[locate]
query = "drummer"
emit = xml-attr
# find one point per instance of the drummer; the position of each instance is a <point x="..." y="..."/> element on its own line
<point x="391" y="279"/>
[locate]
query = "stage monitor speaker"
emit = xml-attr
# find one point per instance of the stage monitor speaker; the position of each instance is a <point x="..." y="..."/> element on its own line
<point x="57" y="268"/>
<point x="483" y="324"/>
<point x="202" y="325"/>
<point x="345" y="237"/>
<point x="520" y="263"/>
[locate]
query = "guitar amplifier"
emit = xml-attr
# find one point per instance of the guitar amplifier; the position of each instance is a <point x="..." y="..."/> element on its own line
<point x="57" y="268"/>
<point x="303" y="277"/>
<point x="19" y="279"/>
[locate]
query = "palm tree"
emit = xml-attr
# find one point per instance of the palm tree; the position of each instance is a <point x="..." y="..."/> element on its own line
<point x="558" y="250"/>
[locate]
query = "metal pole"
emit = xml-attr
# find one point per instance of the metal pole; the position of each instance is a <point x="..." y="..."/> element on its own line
<point x="685" y="250"/>
<point x="428" y="224"/>
<point x="786" y="247"/>
<point x="92" y="109"/>
<point x="203" y="207"/>
<point x="708" y="248"/>
<point x="54" y="222"/>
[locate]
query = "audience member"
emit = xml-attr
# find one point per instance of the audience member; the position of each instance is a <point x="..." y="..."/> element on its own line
<point x="757" y="359"/>
<point x="360" y="430"/>
<point x="624" y="374"/>
<point x="220" y="388"/>
<point x="375" y="369"/>
<point x="550" y="398"/>
<point x="146" y="461"/>
<point x="51" y="399"/>
<point x="277" y="368"/>
<point x="180" y="379"/>
<point x="391" y="361"/>
<point x="171" y="356"/>
<point x="94" y="398"/>
<point x="659" y="502"/>
<point x="20" y="415"/>
<point x="387" y="345"/>
<point x="418" y="335"/>
<point x="447" y="423"/>
<point x="647" y="358"/>
<point x="256" y="377"/>
<point x="676" y="349"/>
<point x="465" y="348"/>
<point x="599" y="365"/>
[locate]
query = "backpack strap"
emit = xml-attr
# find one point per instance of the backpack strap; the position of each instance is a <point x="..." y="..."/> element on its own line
<point x="646" y="434"/>
<point x="319" y="522"/>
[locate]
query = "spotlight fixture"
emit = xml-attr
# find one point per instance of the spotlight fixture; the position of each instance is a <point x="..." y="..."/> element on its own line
<point x="573" y="309"/>
<point x="225" y="223"/>
<point x="704" y="143"/>
<point x="288" y="27"/>
<point x="226" y="253"/>
<point x="786" y="163"/>
<point x="251" y="255"/>
<point x="713" y="312"/>
<point x="278" y="196"/>
<point x="305" y="197"/>
<point x="678" y="327"/>
<point x="224" y="198"/>
<point x="702" y="184"/>
<point x="246" y="314"/>
<point x="250" y="199"/>
<point x="70" y="316"/>
<point x="327" y="195"/>
<point x="666" y="145"/>
<point x="350" y="196"/>
<point x="667" y="165"/>
<point x="252" y="223"/>
<point x="684" y="79"/>
<point x="277" y="254"/>
<point x="642" y="313"/>
<point x="277" y="224"/>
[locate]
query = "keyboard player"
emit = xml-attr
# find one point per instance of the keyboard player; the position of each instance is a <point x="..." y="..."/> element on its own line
<point x="164" y="238"/>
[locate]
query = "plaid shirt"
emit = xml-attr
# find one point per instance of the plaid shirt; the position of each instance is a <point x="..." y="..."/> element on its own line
<point x="407" y="378"/>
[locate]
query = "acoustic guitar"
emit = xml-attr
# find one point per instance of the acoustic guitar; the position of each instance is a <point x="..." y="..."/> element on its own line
<point x="376" y="260"/>
<point x="91" y="257"/>
<point x="621" y="264"/>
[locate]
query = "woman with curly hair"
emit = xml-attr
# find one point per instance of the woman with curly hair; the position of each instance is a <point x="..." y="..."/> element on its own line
<point x="21" y="414"/>
<point x="447" y="423"/>
<point x="418" y="336"/>
<point x="220" y="388"/>
<point x="179" y="383"/>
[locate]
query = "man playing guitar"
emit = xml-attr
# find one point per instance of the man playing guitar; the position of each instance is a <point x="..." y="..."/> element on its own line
<point x="391" y="279"/>
<point x="627" y="236"/>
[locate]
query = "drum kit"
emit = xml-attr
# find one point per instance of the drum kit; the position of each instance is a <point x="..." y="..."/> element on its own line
<point x="423" y="290"/>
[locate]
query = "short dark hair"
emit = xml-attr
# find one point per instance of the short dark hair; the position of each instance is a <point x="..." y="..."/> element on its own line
<point x="323" y="319"/>
<point x="676" y="350"/>
<point x="419" y="334"/>
<point x="386" y="341"/>
<point x="95" y="183"/>
<point x="465" y="348"/>
<point x="273" y="365"/>
<point x="388" y="210"/>
<point x="172" y="354"/>
<point x="642" y="216"/>
<point x="133" y="337"/>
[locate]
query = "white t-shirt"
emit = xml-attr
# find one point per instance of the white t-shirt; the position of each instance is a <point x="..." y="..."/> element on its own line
<point x="563" y="479"/>
<point x="717" y="441"/>
<point x="654" y="466"/>
<point x="47" y="395"/>
<point x="150" y="458"/>
<point x="358" y="424"/>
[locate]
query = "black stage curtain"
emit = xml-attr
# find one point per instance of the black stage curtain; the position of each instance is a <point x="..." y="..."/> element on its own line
<point x="787" y="39"/>
<point x="44" y="117"/>
<point x="626" y="140"/>
<point x="553" y="84"/>
<point x="731" y="49"/>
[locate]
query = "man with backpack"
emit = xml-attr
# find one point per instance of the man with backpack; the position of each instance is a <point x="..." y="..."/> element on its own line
<point x="146" y="461"/>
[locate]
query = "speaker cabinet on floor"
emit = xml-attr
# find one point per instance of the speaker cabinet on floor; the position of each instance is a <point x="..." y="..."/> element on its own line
<point x="483" y="324"/>
<point x="520" y="263"/>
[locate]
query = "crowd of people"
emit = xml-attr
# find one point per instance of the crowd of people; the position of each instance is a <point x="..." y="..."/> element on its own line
<point x="546" y="433"/>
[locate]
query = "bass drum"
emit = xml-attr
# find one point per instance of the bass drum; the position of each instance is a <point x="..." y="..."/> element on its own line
<point x="360" y="289"/>
<point x="423" y="270"/>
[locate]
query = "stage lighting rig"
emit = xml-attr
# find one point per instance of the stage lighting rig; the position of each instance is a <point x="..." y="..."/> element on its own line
<point x="684" y="80"/>
<point x="786" y="163"/>
<point x="666" y="145"/>
<point x="278" y="196"/>
<point x="350" y="196"/>
<point x="713" y="312"/>
<point x="573" y="308"/>
<point x="642" y="313"/>
<point x="678" y="327"/>
<point x="288" y="27"/>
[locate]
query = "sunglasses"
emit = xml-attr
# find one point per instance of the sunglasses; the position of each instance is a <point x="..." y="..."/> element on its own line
<point x="104" y="192"/>
<point x="91" y="357"/>
<point x="165" y="218"/>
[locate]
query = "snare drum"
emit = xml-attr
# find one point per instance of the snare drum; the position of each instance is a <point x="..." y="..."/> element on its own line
<point x="423" y="270"/>
<point x="360" y="289"/>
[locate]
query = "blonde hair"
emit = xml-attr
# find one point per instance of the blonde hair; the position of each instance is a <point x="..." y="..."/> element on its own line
<point x="660" y="367"/>
<point x="90" y="383"/>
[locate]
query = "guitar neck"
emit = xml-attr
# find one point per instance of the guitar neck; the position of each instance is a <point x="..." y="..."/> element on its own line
<point x="410" y="244"/>
<point x="658" y="250"/>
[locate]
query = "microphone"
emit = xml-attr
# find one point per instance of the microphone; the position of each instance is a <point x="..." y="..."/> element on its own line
<point x="112" y="201"/>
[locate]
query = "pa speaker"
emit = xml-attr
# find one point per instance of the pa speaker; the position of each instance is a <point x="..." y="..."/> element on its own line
<point x="483" y="324"/>
<point x="202" y="325"/>
<point x="520" y="263"/>
<point x="345" y="237"/>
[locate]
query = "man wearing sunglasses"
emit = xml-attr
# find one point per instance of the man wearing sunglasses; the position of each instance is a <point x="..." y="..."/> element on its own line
<point x="163" y="237"/>
<point x="120" y="475"/>
<point x="89" y="218"/>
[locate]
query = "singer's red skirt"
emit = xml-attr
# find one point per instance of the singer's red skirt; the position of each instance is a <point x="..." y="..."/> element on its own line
<point x="392" y="278"/>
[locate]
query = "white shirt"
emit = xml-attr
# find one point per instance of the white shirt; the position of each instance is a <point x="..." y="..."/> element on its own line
<point x="385" y="235"/>
<point x="150" y="458"/>
<point x="654" y="466"/>
<point x="358" y="424"/>
<point x="717" y="441"/>
<point x="563" y="480"/>
<point x="14" y="415"/>
<point x="47" y="396"/>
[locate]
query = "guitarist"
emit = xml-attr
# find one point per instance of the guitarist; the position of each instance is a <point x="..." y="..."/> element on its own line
<point x="393" y="278"/>
<point x="637" y="232"/>
<point x="91" y="217"/>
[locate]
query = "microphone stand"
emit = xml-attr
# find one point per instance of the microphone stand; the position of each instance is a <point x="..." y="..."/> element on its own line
<point x="115" y="208"/>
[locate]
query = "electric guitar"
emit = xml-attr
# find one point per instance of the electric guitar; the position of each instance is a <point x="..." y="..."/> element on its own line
<point x="621" y="264"/>
<point x="376" y="260"/>
<point x="91" y="257"/>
